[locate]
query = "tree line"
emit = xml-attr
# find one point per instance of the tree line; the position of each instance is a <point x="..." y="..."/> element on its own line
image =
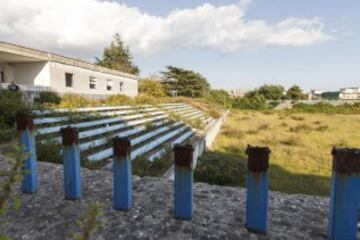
<point x="190" y="83"/>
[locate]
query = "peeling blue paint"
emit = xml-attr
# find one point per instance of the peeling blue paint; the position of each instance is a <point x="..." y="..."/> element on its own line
<point x="183" y="193"/>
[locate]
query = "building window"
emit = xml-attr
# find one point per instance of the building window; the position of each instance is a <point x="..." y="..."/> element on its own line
<point x="2" y="76"/>
<point x="121" y="86"/>
<point x="109" y="84"/>
<point x="69" y="79"/>
<point x="92" y="83"/>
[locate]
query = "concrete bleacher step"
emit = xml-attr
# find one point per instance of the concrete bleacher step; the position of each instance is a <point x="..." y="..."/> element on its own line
<point x="149" y="128"/>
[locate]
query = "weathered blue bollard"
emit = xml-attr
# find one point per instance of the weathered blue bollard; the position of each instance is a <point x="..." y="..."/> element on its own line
<point x="257" y="189"/>
<point x="183" y="181"/>
<point x="345" y="194"/>
<point x="27" y="139"/>
<point x="122" y="174"/>
<point x="72" y="164"/>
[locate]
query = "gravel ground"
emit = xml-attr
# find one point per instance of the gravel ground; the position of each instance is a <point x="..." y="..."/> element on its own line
<point x="219" y="211"/>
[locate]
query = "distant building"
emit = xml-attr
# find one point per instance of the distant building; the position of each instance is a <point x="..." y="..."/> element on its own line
<point x="237" y="92"/>
<point x="35" y="70"/>
<point x="352" y="93"/>
<point x="315" y="94"/>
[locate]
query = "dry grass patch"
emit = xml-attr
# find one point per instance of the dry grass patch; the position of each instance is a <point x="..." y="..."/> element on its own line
<point x="300" y="145"/>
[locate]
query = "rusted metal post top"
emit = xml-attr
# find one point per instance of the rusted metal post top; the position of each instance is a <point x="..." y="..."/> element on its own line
<point x="258" y="158"/>
<point x="346" y="160"/>
<point x="121" y="146"/>
<point x="184" y="155"/>
<point x="24" y="121"/>
<point x="69" y="136"/>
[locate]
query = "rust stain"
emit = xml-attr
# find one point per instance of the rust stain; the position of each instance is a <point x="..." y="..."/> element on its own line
<point x="258" y="158"/>
<point x="184" y="155"/>
<point x="121" y="146"/>
<point x="24" y="121"/>
<point x="346" y="160"/>
<point x="69" y="136"/>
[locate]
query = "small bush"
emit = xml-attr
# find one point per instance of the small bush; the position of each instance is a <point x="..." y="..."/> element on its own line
<point x="301" y="128"/>
<point x="7" y="133"/>
<point x="152" y="88"/>
<point x="327" y="108"/>
<point x="232" y="133"/>
<point x="264" y="126"/>
<point x="322" y="128"/>
<point x="221" y="169"/>
<point x="71" y="100"/>
<point x="291" y="141"/>
<point x="251" y="132"/>
<point x="11" y="103"/>
<point x="297" y="118"/>
<point x="143" y="167"/>
<point x="48" y="150"/>
<point x="146" y="99"/>
<point x="48" y="97"/>
<point x="118" y="100"/>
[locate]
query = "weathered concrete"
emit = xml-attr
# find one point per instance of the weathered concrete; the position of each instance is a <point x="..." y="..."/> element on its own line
<point x="219" y="211"/>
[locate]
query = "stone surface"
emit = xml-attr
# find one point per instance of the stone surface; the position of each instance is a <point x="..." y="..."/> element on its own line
<point x="219" y="211"/>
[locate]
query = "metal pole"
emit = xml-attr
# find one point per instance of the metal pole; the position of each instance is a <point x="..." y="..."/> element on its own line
<point x="27" y="140"/>
<point x="122" y="174"/>
<point x="345" y="194"/>
<point x="257" y="189"/>
<point x="72" y="164"/>
<point x="183" y="199"/>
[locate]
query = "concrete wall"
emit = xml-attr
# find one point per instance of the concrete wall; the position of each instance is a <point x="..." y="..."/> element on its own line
<point x="8" y="72"/>
<point x="32" y="73"/>
<point x="81" y="81"/>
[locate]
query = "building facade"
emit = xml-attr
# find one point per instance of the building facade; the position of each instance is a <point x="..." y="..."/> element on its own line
<point x="352" y="93"/>
<point x="34" y="70"/>
<point x="237" y="92"/>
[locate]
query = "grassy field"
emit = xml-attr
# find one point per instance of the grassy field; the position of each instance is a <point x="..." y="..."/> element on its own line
<point x="301" y="146"/>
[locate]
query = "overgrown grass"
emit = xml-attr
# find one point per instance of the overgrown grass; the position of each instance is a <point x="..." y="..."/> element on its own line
<point x="301" y="145"/>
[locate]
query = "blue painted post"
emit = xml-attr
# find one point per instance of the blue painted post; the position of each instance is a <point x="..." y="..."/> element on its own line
<point x="122" y="174"/>
<point x="72" y="163"/>
<point x="183" y="182"/>
<point x="27" y="139"/>
<point x="345" y="194"/>
<point x="257" y="189"/>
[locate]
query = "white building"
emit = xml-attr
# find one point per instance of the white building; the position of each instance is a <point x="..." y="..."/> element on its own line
<point x="34" y="70"/>
<point x="237" y="92"/>
<point x="352" y="93"/>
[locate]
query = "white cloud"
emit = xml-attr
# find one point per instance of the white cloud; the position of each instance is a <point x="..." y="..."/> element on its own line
<point x="86" y="26"/>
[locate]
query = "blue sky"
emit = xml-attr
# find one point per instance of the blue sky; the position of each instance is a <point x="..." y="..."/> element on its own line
<point x="235" y="44"/>
<point x="329" y="65"/>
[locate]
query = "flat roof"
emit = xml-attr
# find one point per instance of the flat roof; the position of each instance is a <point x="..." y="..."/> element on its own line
<point x="30" y="54"/>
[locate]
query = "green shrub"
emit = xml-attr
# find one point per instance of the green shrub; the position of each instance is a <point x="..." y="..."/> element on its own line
<point x="71" y="100"/>
<point x="143" y="167"/>
<point x="48" y="150"/>
<point x="118" y="100"/>
<point x="221" y="169"/>
<point x="48" y="97"/>
<point x="11" y="103"/>
<point x="152" y="88"/>
<point x="254" y="102"/>
<point x="146" y="99"/>
<point x="324" y="107"/>
<point x="7" y="133"/>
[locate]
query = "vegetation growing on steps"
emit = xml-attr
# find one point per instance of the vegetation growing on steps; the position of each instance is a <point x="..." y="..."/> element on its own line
<point x="89" y="222"/>
<point x="12" y="157"/>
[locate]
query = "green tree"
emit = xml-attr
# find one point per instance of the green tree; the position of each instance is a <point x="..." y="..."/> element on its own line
<point x="295" y="93"/>
<point x="187" y="82"/>
<point x="151" y="87"/>
<point x="221" y="97"/>
<point x="271" y="92"/>
<point x="118" y="57"/>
